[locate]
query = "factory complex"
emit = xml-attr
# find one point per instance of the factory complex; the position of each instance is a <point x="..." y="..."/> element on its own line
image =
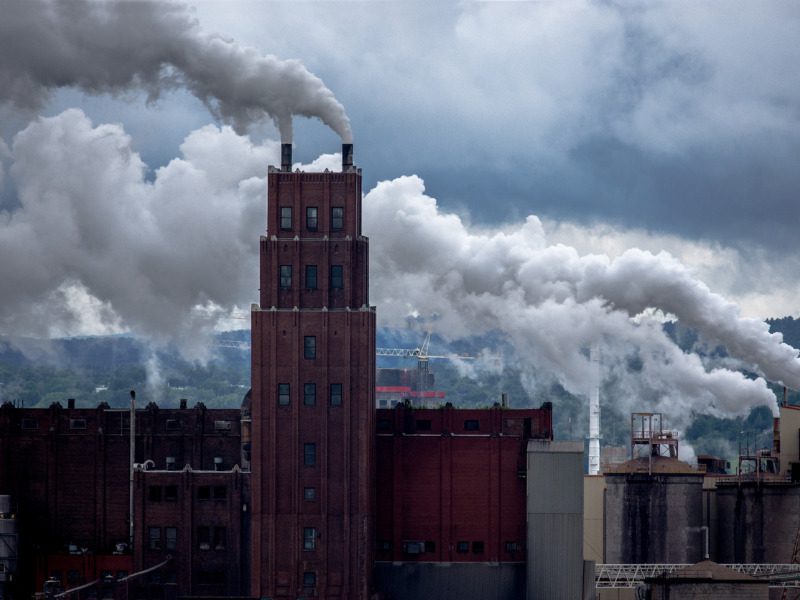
<point x="310" y="491"/>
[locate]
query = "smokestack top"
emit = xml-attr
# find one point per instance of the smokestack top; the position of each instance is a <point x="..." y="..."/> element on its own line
<point x="286" y="157"/>
<point x="347" y="157"/>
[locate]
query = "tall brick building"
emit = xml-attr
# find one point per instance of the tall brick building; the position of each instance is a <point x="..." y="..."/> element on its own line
<point x="313" y="370"/>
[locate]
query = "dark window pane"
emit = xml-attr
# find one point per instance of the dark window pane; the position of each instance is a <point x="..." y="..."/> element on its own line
<point x="310" y="346"/>
<point x="311" y="218"/>
<point x="154" y="493"/>
<point x="154" y="538"/>
<point x="309" y="454"/>
<point x="220" y="492"/>
<point x="309" y="394"/>
<point x="204" y="538"/>
<point x="310" y="494"/>
<point x="170" y="538"/>
<point x="336" y="394"/>
<point x="337" y="277"/>
<point x="477" y="547"/>
<point x="337" y="218"/>
<point x="286" y="277"/>
<point x="462" y="547"/>
<point x="311" y="277"/>
<point x="283" y="394"/>
<point x="309" y="579"/>
<point x="309" y="538"/>
<point x="219" y="538"/>
<point x="286" y="217"/>
<point x="472" y="425"/>
<point x="423" y="424"/>
<point x="204" y="492"/>
<point x="170" y="493"/>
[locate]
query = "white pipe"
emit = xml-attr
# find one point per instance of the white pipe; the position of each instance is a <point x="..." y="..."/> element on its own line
<point x="594" y="411"/>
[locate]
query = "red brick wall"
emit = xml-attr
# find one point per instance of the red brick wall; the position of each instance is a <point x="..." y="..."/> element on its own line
<point x="441" y="482"/>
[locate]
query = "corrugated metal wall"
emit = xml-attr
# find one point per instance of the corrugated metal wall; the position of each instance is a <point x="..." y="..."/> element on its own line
<point x="555" y="521"/>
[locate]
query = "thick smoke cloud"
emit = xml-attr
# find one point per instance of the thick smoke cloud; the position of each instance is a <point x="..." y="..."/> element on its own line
<point x="553" y="303"/>
<point x="94" y="241"/>
<point x="96" y="246"/>
<point x="122" y="47"/>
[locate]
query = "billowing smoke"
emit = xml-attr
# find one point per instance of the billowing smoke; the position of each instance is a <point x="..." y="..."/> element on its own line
<point x="95" y="246"/>
<point x="120" y="47"/>
<point x="554" y="303"/>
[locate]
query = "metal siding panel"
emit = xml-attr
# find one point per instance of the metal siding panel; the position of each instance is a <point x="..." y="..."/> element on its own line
<point x="555" y="561"/>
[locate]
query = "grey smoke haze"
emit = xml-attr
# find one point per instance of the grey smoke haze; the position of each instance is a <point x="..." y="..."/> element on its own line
<point x="123" y="47"/>
<point x="94" y="245"/>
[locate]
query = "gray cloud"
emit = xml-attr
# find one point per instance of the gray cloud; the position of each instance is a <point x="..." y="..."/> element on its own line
<point x="122" y="47"/>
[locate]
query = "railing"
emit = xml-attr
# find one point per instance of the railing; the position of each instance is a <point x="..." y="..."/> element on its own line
<point x="633" y="575"/>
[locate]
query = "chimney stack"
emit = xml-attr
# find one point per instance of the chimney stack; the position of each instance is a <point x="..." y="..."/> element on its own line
<point x="286" y="157"/>
<point x="347" y="157"/>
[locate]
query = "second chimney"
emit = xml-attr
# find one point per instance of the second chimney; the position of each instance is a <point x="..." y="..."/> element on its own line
<point x="286" y="157"/>
<point x="347" y="156"/>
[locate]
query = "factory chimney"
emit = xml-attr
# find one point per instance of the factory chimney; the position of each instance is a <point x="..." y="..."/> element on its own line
<point x="347" y="157"/>
<point x="286" y="157"/>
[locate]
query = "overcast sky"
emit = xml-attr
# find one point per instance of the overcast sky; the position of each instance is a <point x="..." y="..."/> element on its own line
<point x="658" y="126"/>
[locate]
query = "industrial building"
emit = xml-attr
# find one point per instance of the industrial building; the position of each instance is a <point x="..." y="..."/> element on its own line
<point x="307" y="490"/>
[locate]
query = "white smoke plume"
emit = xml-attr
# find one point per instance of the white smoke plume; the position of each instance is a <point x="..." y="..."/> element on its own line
<point x="122" y="47"/>
<point x="553" y="303"/>
<point x="95" y="244"/>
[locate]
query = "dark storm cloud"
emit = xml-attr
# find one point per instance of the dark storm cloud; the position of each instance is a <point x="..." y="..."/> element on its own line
<point x="122" y="47"/>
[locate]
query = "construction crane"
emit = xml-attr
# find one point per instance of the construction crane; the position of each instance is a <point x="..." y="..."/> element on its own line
<point x="422" y="356"/>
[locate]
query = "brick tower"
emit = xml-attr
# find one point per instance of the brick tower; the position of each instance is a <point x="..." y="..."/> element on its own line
<point x="313" y="382"/>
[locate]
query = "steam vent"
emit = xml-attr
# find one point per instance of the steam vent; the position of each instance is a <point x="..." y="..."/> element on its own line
<point x="653" y="501"/>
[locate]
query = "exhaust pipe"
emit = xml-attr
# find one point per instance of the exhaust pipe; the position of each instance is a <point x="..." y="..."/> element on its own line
<point x="347" y="157"/>
<point x="286" y="157"/>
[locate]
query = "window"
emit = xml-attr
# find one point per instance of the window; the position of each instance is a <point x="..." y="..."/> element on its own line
<point x="218" y="463"/>
<point x="220" y="492"/>
<point x="204" y="492"/>
<point x="309" y="494"/>
<point x="337" y="277"/>
<point x="77" y="423"/>
<point x="286" y="277"/>
<point x="283" y="394"/>
<point x="423" y="424"/>
<point x="170" y="538"/>
<point x="204" y="538"/>
<point x="337" y="218"/>
<point x="154" y="538"/>
<point x="311" y="277"/>
<point x="430" y="546"/>
<point x="413" y="547"/>
<point x="309" y="347"/>
<point x="384" y="425"/>
<point x="309" y="538"/>
<point x="211" y="577"/>
<point x="472" y="425"/>
<point x="219" y="538"/>
<point x="286" y="217"/>
<point x="477" y="547"/>
<point x="311" y="218"/>
<point x="173" y="425"/>
<point x="309" y="454"/>
<point x="336" y="394"/>
<point x="462" y="547"/>
<point x="223" y="426"/>
<point x="384" y="545"/>
<point x="29" y="423"/>
<point x="309" y="579"/>
<point x="513" y="547"/>
<point x="309" y="394"/>
<point x="154" y="493"/>
<point x="170" y="463"/>
<point x="170" y="493"/>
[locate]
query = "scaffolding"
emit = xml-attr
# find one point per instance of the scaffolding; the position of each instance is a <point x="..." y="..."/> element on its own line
<point x="649" y="436"/>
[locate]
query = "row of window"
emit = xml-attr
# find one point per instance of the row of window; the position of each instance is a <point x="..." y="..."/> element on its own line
<point x="310" y="394"/>
<point x="462" y="547"/>
<point x="166" y="538"/>
<point x="427" y="425"/>
<point x="312" y="218"/>
<point x="336" y="281"/>
<point x="169" y="493"/>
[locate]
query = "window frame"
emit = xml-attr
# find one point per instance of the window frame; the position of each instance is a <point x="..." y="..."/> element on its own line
<point x="309" y="394"/>
<point x="336" y="394"/>
<point x="285" y="218"/>
<point x="285" y="277"/>
<point x="311" y="277"/>
<point x="337" y="277"/>
<point x="309" y="347"/>
<point x="309" y="539"/>
<point x="335" y="218"/>
<point x="170" y="538"/>
<point x="309" y="454"/>
<point x="312" y="218"/>
<point x="284" y="396"/>
<point x="154" y="541"/>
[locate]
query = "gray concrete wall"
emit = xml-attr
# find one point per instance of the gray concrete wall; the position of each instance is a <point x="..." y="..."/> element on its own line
<point x="555" y="520"/>
<point x="653" y="518"/>
<point x="757" y="523"/>
<point x="450" y="581"/>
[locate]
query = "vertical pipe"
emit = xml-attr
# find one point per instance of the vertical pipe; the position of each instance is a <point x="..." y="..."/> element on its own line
<point x="594" y="411"/>
<point x="347" y="156"/>
<point x="132" y="458"/>
<point x="286" y="157"/>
